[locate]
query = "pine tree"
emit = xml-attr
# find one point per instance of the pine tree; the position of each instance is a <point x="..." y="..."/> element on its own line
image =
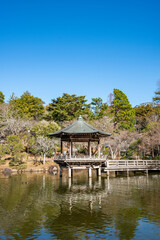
<point x="67" y="107"/>
<point x="27" y="105"/>
<point x="1" y="97"/>
<point x="124" y="114"/>
<point x="98" y="108"/>
<point x="156" y="100"/>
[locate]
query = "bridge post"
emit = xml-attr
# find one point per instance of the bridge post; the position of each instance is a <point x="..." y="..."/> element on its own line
<point x="99" y="171"/>
<point x="90" y="172"/>
<point x="60" y="172"/>
<point x="69" y="172"/>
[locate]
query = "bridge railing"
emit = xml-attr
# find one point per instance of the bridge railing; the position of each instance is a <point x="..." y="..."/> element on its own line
<point x="132" y="163"/>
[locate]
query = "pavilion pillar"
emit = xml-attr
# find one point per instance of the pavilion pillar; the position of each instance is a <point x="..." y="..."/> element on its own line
<point x="89" y="148"/>
<point x="99" y="148"/>
<point x="61" y="147"/>
<point x="70" y="149"/>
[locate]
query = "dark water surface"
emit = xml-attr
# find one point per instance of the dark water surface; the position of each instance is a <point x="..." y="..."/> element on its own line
<point x="35" y="206"/>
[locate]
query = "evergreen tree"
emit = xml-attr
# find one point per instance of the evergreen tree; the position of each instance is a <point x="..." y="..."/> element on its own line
<point x="27" y="106"/>
<point x="124" y="114"/>
<point x="143" y="112"/>
<point x="156" y="100"/>
<point x="98" y="107"/>
<point x="43" y="128"/>
<point x="67" y="107"/>
<point x="1" y="97"/>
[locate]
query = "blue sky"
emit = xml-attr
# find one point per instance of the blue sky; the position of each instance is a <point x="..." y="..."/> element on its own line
<point x="83" y="47"/>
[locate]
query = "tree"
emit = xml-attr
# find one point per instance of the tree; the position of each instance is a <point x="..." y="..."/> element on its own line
<point x="98" y="107"/>
<point x="120" y="142"/>
<point x="2" y="150"/>
<point x="11" y="124"/>
<point x="14" y="146"/>
<point x="151" y="139"/>
<point x="1" y="97"/>
<point x="43" y="145"/>
<point x="43" y="128"/>
<point x="27" y="106"/>
<point x="143" y="112"/>
<point x="124" y="114"/>
<point x="156" y="101"/>
<point x="67" y="107"/>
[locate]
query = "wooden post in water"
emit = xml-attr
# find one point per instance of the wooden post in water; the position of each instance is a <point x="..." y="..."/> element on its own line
<point x="60" y="172"/>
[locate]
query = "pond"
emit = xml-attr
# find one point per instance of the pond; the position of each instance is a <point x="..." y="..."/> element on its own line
<point x="37" y="206"/>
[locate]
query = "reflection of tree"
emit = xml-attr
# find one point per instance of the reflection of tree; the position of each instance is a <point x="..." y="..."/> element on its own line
<point x="27" y="205"/>
<point x="126" y="222"/>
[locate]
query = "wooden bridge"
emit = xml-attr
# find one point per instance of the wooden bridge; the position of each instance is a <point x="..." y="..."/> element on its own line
<point x="102" y="164"/>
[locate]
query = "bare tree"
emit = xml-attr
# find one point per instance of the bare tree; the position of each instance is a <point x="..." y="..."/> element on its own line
<point x="151" y="139"/>
<point x="43" y="145"/>
<point x="12" y="125"/>
<point x="120" y="142"/>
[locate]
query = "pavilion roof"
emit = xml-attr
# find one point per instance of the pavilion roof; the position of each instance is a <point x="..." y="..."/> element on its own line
<point x="79" y="127"/>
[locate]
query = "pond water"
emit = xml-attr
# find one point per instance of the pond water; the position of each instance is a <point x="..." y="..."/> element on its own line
<point x="35" y="206"/>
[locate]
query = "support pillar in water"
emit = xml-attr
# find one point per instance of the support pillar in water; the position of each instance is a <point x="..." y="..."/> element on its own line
<point x="69" y="172"/>
<point x="99" y="171"/>
<point x="90" y="172"/>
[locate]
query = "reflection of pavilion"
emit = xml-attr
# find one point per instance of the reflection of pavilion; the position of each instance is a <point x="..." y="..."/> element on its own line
<point x="80" y="131"/>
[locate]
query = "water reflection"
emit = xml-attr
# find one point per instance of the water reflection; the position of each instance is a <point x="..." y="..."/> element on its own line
<point x="49" y="207"/>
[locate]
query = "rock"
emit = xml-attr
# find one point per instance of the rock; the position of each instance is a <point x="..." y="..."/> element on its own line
<point x="52" y="169"/>
<point x="7" y="171"/>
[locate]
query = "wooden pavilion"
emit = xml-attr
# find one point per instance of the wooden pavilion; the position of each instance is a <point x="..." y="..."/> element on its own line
<point x="80" y="131"/>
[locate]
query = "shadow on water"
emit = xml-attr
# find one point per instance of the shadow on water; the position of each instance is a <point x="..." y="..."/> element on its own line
<point x="37" y="206"/>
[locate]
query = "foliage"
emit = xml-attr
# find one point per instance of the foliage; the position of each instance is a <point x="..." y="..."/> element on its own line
<point x="98" y="108"/>
<point x="124" y="114"/>
<point x="18" y="161"/>
<point x="67" y="107"/>
<point x="43" y="128"/>
<point x="14" y="146"/>
<point x="133" y="149"/>
<point x="143" y="112"/>
<point x="27" y="106"/>
<point x="1" y="97"/>
<point x="2" y="150"/>
<point x="156" y="100"/>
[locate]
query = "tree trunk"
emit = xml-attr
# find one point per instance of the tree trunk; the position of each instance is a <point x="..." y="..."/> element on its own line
<point x="44" y="160"/>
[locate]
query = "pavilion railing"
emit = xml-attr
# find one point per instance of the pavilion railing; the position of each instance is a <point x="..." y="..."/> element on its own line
<point x="66" y="157"/>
